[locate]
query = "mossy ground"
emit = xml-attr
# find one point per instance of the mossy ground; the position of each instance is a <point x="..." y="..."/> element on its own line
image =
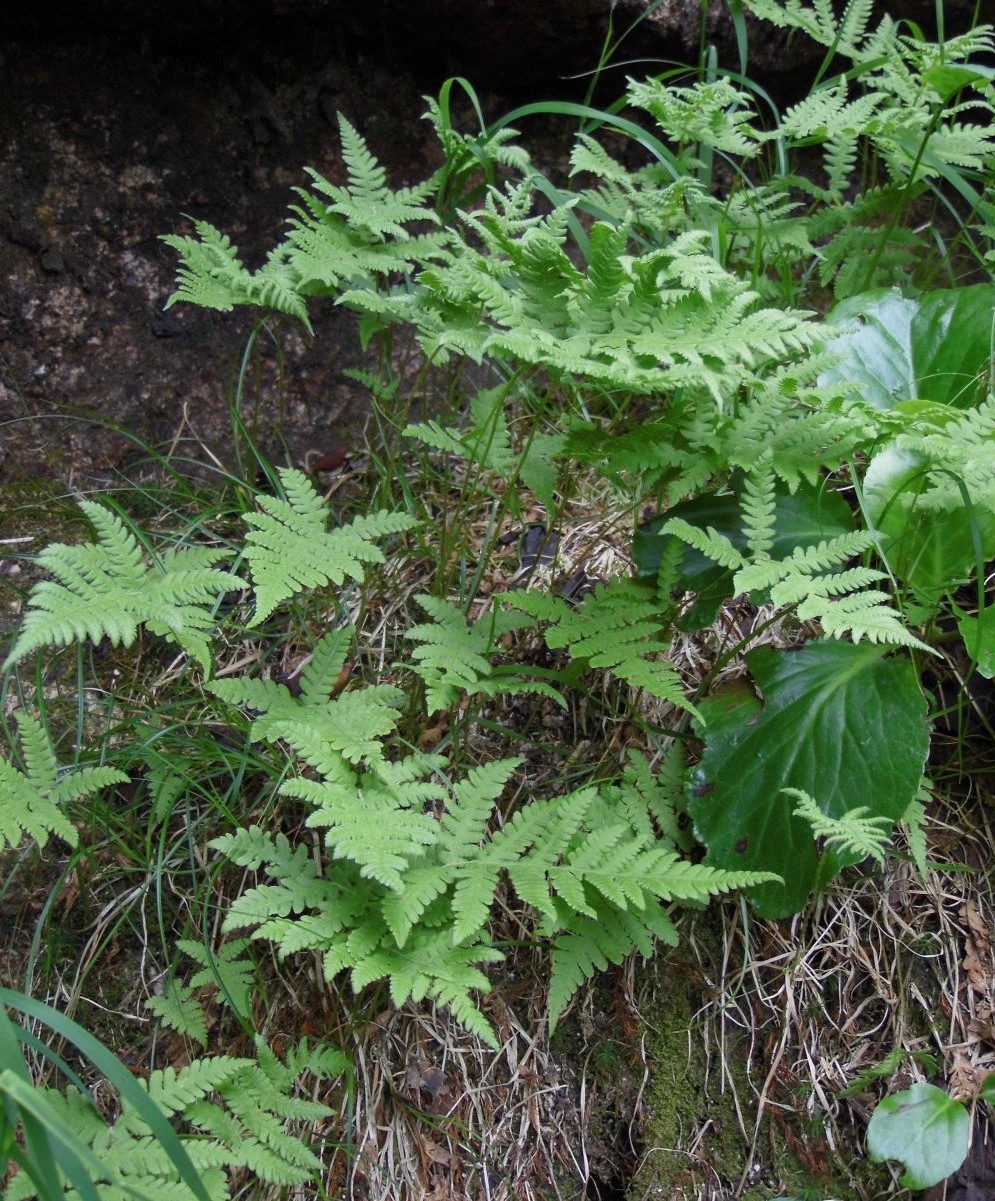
<point x="699" y="1136"/>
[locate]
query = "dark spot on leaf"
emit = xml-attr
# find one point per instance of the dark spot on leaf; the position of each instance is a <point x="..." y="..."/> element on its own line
<point x="741" y="845"/>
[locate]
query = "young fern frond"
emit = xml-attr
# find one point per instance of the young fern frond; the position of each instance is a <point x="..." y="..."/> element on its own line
<point x="32" y="802"/>
<point x="289" y="547"/>
<point x="105" y="590"/>
<point x="853" y="834"/>
<point x="178" y="1008"/>
<point x="328" y="732"/>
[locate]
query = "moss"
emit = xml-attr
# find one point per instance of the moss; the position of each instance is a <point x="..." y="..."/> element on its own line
<point x="33" y="513"/>
<point x="691" y="1131"/>
<point x="693" y="1140"/>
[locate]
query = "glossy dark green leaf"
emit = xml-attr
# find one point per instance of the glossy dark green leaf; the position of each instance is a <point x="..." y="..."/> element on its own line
<point x="937" y="348"/>
<point x="845" y="723"/>
<point x="932" y="552"/>
<point x="803" y="518"/>
<point x="923" y="1129"/>
<point x="709" y="583"/>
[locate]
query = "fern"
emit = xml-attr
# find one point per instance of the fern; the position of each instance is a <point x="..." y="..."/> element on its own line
<point x="366" y="203"/>
<point x="32" y="802"/>
<point x="853" y="834"/>
<point x="618" y="627"/>
<point x="452" y="656"/>
<point x="178" y="1008"/>
<point x="289" y="548"/>
<point x="233" y="1115"/>
<point x="106" y="590"/>
<point x="356" y="234"/>
<point x="814" y="580"/>
<point x="213" y="277"/>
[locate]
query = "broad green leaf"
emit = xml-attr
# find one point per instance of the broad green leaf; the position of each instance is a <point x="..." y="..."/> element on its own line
<point x="936" y="349"/>
<point x="948" y="80"/>
<point x="979" y="638"/>
<point x="805" y="518"/>
<point x="932" y="552"/>
<point x="845" y="723"/>
<point x="923" y="1129"/>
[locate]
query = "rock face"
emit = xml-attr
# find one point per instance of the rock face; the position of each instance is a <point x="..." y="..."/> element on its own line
<point x="509" y="46"/>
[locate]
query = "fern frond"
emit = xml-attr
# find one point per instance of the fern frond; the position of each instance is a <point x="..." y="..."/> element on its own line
<point x="31" y="803"/>
<point x="224" y="969"/>
<point x="452" y="655"/>
<point x="104" y="590"/>
<point x="757" y="505"/>
<point x="852" y="834"/>
<point x="617" y="627"/>
<point x="289" y="548"/>
<point x="367" y="203"/>
<point x="177" y="1008"/>
<point x="213" y="276"/>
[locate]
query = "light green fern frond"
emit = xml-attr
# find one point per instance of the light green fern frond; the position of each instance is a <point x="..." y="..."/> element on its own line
<point x="757" y="505"/>
<point x="177" y="1008"/>
<point x="451" y="654"/>
<point x="366" y="202"/>
<point x="708" y="541"/>
<point x="289" y="547"/>
<point x="852" y="834"/>
<point x="213" y="277"/>
<point x="617" y="626"/>
<point x="589" y="944"/>
<point x="715" y="113"/>
<point x="32" y="802"/>
<point x="818" y="19"/>
<point x="105" y="590"/>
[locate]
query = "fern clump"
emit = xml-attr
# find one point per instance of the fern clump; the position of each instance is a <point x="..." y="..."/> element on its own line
<point x="415" y="862"/>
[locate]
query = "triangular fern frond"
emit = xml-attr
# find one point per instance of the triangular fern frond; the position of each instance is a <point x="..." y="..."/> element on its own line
<point x="289" y="547"/>
<point x="105" y="590"/>
<point x="367" y="203"/>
